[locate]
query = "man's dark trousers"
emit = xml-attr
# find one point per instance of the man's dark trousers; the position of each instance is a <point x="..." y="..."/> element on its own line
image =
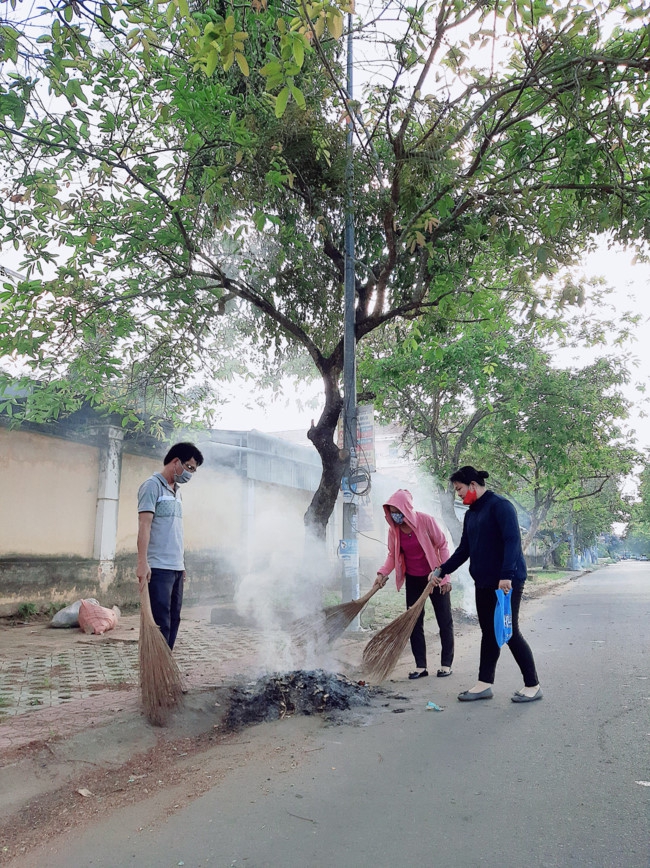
<point x="166" y="595"/>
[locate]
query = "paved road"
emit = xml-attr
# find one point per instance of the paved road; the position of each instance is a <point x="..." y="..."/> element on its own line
<point x="550" y="784"/>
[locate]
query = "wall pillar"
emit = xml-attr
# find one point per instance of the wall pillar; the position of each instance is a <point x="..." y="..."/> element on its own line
<point x="110" y="441"/>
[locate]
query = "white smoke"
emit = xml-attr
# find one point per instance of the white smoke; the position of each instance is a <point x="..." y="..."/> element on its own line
<point x="288" y="577"/>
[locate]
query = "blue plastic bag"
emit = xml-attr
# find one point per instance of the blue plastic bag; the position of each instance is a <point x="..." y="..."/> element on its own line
<point x="503" y="618"/>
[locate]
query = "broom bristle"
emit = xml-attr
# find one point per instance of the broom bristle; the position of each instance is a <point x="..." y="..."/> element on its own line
<point x="161" y="687"/>
<point x="381" y="654"/>
<point x="331" y="622"/>
<point x="338" y="618"/>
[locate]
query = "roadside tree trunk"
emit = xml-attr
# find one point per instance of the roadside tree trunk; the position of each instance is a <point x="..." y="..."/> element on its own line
<point x="451" y="520"/>
<point x="333" y="460"/>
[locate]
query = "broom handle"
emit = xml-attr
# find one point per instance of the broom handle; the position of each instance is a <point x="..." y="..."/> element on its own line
<point x="145" y="603"/>
<point x="421" y="600"/>
<point x="363" y="600"/>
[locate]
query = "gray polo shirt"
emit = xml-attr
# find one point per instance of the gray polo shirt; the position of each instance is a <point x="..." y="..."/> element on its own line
<point x="165" y="550"/>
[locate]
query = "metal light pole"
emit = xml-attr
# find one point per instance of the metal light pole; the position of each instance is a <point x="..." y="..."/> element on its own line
<point x="350" y="579"/>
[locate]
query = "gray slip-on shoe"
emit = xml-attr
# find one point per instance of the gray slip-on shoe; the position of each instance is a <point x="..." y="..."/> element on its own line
<point x="466" y="696"/>
<point x="520" y="697"/>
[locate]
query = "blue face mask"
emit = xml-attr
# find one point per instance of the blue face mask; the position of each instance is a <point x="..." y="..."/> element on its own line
<point x="397" y="517"/>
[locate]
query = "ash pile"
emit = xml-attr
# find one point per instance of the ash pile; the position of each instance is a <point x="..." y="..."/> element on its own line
<point x="302" y="692"/>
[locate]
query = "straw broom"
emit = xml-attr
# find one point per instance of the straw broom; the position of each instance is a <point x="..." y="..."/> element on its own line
<point x="160" y="679"/>
<point x="335" y="619"/>
<point x="381" y="654"/>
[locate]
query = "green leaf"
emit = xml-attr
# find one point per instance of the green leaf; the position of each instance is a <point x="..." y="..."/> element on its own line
<point x="335" y="23"/>
<point x="242" y="63"/>
<point x="299" y="97"/>
<point x="298" y="51"/>
<point x="211" y="62"/>
<point x="281" y="102"/>
<point x="11" y="105"/>
<point x="274" y="67"/>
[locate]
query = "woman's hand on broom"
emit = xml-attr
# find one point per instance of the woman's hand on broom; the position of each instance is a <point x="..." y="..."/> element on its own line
<point x="436" y="580"/>
<point x="380" y="580"/>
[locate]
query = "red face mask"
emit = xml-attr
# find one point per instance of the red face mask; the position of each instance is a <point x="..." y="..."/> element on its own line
<point x="470" y="497"/>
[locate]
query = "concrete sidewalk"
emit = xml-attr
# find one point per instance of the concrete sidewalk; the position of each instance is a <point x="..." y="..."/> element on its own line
<point x="54" y="683"/>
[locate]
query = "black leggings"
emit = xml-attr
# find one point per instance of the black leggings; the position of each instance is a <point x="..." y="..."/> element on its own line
<point x="486" y="601"/>
<point x="415" y="586"/>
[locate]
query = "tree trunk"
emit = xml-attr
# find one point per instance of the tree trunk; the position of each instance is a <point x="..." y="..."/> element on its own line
<point x="333" y="462"/>
<point x="549" y="554"/>
<point x="537" y="518"/>
<point x="451" y="520"/>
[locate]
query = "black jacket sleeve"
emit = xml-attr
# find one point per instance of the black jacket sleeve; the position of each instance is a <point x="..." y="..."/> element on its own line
<point x="506" y="517"/>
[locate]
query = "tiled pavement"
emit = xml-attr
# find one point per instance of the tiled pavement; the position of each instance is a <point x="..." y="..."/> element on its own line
<point x="52" y="679"/>
<point x="56" y="683"/>
<point x="206" y="654"/>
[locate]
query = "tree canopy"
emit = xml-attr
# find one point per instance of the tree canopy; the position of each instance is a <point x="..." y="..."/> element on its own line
<point x="562" y="441"/>
<point x="487" y="393"/>
<point x="167" y="166"/>
<point x="637" y="533"/>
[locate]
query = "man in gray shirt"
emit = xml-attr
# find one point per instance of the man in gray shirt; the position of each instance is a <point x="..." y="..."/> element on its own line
<point x="161" y="560"/>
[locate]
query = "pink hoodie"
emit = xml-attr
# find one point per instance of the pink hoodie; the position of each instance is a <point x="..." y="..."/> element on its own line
<point x="427" y="531"/>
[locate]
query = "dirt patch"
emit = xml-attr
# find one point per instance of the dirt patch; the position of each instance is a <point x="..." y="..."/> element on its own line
<point x="37" y="636"/>
<point x="460" y="616"/>
<point x="99" y="791"/>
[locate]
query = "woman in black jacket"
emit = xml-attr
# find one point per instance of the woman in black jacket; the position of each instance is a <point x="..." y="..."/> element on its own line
<point x="492" y="541"/>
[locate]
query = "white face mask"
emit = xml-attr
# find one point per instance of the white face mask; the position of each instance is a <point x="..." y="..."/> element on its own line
<point x="183" y="477"/>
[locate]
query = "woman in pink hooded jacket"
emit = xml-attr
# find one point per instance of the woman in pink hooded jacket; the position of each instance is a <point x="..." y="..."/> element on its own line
<point x="416" y="547"/>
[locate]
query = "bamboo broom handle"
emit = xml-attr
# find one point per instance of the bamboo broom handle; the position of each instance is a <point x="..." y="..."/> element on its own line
<point x="421" y="600"/>
<point x="145" y="604"/>
<point x="368" y="595"/>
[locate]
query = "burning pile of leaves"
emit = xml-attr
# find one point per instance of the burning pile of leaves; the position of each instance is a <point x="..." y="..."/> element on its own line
<point x="301" y="692"/>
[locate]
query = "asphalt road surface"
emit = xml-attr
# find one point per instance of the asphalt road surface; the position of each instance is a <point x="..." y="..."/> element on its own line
<point x="555" y="783"/>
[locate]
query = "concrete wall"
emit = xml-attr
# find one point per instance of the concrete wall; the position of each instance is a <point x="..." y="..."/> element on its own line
<point x="213" y="504"/>
<point x="69" y="515"/>
<point x="135" y="469"/>
<point x="213" y="510"/>
<point x="243" y="515"/>
<point x="50" y="495"/>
